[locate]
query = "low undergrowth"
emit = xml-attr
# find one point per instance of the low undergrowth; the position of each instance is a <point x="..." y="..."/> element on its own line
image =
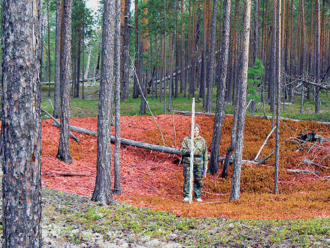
<point x="83" y="219"/>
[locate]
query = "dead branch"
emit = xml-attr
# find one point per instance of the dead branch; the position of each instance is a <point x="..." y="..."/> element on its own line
<point x="265" y="158"/>
<point x="216" y="202"/>
<point x="255" y="159"/>
<point x="67" y="174"/>
<point x="52" y="117"/>
<point x="325" y="178"/>
<point x="302" y="171"/>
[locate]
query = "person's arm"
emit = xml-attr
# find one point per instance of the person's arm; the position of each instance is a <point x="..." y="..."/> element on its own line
<point x="206" y="157"/>
<point x="185" y="147"/>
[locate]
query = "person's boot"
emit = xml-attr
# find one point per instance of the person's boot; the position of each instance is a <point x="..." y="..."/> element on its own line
<point x="186" y="199"/>
<point x="198" y="199"/>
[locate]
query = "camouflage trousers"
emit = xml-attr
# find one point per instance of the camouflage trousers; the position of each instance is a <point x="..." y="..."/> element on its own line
<point x="198" y="179"/>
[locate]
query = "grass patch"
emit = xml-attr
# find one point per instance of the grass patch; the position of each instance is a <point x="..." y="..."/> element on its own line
<point x="89" y="106"/>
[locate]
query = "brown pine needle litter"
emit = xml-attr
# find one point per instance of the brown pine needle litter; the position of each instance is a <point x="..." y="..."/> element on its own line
<point x="154" y="180"/>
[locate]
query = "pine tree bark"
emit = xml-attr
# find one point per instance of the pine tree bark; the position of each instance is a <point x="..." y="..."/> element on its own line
<point x="231" y="79"/>
<point x="78" y="61"/>
<point x="278" y="79"/>
<point x="273" y="66"/>
<point x="220" y="107"/>
<point x="144" y="49"/>
<point x="102" y="191"/>
<point x="64" y="143"/>
<point x="57" y="86"/>
<point x="171" y="87"/>
<point x="42" y="47"/>
<point x="231" y="147"/>
<point x="210" y="77"/>
<point x="183" y="54"/>
<point x="21" y="126"/>
<point x="242" y="80"/>
<point x="49" y="65"/>
<point x="317" y="55"/>
<point x="303" y="53"/>
<point x="88" y="63"/>
<point x="177" y="57"/>
<point x="125" y="60"/>
<point x="136" y="57"/>
<point x="256" y="32"/>
<point x="117" y="184"/>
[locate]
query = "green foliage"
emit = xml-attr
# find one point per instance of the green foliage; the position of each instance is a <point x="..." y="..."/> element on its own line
<point x="255" y="74"/>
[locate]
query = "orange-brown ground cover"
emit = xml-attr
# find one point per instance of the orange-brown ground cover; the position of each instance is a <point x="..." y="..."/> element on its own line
<point x="154" y="180"/>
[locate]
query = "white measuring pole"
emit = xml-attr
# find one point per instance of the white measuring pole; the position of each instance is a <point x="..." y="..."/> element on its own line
<point x="192" y="151"/>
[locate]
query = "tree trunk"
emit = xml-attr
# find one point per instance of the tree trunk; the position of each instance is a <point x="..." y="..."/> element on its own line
<point x="136" y="56"/>
<point x="83" y="61"/>
<point x="231" y="79"/>
<point x="177" y="57"/>
<point x="102" y="191"/>
<point x="165" y="63"/>
<point x="49" y="65"/>
<point x="204" y="57"/>
<point x="117" y="188"/>
<point x="78" y="61"/>
<point x="278" y="79"/>
<point x="64" y="143"/>
<point x="144" y="49"/>
<point x="303" y="53"/>
<point x="21" y="126"/>
<point x="256" y="32"/>
<point x="231" y="147"/>
<point x="210" y="77"/>
<point x="242" y="80"/>
<point x="183" y="54"/>
<point x="273" y="66"/>
<point x="171" y="88"/>
<point x="97" y="69"/>
<point x="88" y="62"/>
<point x="317" y="56"/>
<point x="74" y="63"/>
<point x="220" y="107"/>
<point x="126" y="32"/>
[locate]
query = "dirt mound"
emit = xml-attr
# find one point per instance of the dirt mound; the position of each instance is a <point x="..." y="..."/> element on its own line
<point x="154" y="180"/>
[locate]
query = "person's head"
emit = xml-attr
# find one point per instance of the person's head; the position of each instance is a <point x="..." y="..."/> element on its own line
<point x="196" y="130"/>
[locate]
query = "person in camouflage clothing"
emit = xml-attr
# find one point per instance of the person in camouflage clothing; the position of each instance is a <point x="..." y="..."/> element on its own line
<point x="200" y="163"/>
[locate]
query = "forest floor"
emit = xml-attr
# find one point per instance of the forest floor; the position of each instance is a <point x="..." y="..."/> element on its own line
<point x="150" y="207"/>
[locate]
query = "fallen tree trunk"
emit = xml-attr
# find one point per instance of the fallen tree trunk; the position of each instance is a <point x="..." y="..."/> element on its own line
<point x="52" y="117"/>
<point x="80" y="80"/>
<point x="157" y="148"/>
<point x="189" y="113"/>
<point x="123" y="141"/>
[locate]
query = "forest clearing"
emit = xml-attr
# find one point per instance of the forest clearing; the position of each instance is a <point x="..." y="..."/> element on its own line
<point x="154" y="180"/>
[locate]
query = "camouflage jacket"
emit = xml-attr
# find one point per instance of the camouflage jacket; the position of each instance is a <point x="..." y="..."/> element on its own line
<point x="200" y="150"/>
